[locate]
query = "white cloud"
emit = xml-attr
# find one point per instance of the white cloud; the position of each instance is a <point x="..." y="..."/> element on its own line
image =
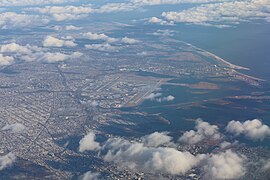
<point x="252" y="129"/>
<point x="57" y="28"/>
<point x="71" y="38"/>
<point x="117" y="7"/>
<point x="96" y="36"/>
<point x="129" y="40"/>
<point x="32" y="2"/>
<point x="137" y="156"/>
<point x="72" y="28"/>
<point x="7" y="160"/>
<point x="88" y="143"/>
<point x="66" y="28"/>
<point x="225" y="165"/>
<point x="51" y="41"/>
<point x="225" y="144"/>
<point x="106" y="45"/>
<point x="136" y="4"/>
<point x="168" y="98"/>
<point x="25" y="53"/>
<point x="104" y="37"/>
<point x="204" y="130"/>
<point x="152" y="96"/>
<point x="157" y="97"/>
<point x="222" y="14"/>
<point x="103" y="47"/>
<point x="15" y="48"/>
<point x="10" y="20"/>
<point x="165" y="32"/>
<point x="217" y="13"/>
<point x="156" y="153"/>
<point x="159" y="2"/>
<point x="64" y="13"/>
<point x="6" y="60"/>
<point x="34" y="53"/>
<point x="155" y="20"/>
<point x="156" y="139"/>
<point x="90" y="176"/>
<point x="14" y="128"/>
<point x="58" y="57"/>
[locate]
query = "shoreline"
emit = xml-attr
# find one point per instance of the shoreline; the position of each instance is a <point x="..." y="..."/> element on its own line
<point x="209" y="54"/>
<point x="233" y="67"/>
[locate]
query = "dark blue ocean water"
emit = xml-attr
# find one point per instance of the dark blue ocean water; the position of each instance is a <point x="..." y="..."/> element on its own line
<point x="247" y="45"/>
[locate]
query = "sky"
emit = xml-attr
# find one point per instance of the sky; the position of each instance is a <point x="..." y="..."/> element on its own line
<point x="217" y="13"/>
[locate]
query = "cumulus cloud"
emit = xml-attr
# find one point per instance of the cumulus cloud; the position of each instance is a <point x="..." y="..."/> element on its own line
<point x="164" y="99"/>
<point x="165" y="32"/>
<point x="10" y="20"/>
<point x="64" y="13"/>
<point x="14" y="128"/>
<point x="159" y="2"/>
<point x="96" y="36"/>
<point x="221" y="14"/>
<point x="225" y="144"/>
<point x="157" y="154"/>
<point x="88" y="143"/>
<point x="116" y="7"/>
<point x="34" y="53"/>
<point x="204" y="130"/>
<point x="127" y="40"/>
<point x="155" y="20"/>
<point x="58" y="57"/>
<point x="65" y="28"/>
<point x="72" y="28"/>
<point x="90" y="176"/>
<point x="137" y="156"/>
<point x="217" y="13"/>
<point x="103" y="47"/>
<point x="32" y="2"/>
<point x="170" y="98"/>
<point x="13" y="48"/>
<point x="104" y="37"/>
<point x="157" y="97"/>
<point x="7" y="160"/>
<point x="156" y="139"/>
<point x="51" y="41"/>
<point x="225" y="165"/>
<point x="136" y="4"/>
<point x="252" y="129"/>
<point x="107" y="46"/>
<point x="6" y="60"/>
<point x="152" y="96"/>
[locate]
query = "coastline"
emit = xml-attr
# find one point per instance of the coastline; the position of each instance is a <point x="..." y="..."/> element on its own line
<point x="248" y="78"/>
<point x="217" y="58"/>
